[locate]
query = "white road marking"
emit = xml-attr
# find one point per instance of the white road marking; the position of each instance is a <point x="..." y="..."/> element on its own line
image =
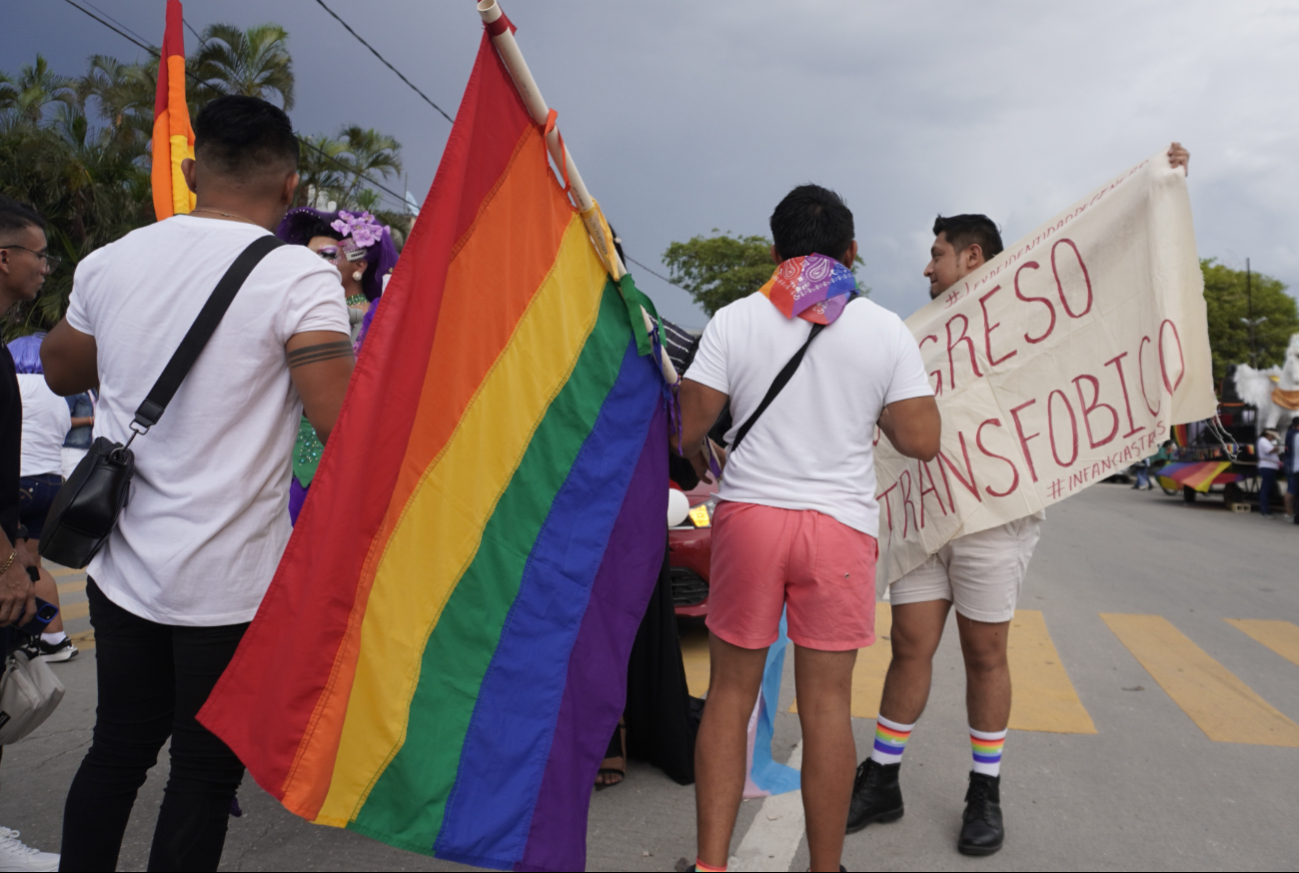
<point x="776" y="832"/>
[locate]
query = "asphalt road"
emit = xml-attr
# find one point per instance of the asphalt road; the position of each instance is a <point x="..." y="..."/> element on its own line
<point x="1193" y="762"/>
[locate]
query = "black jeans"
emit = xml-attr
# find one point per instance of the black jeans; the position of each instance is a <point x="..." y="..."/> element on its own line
<point x="153" y="679"/>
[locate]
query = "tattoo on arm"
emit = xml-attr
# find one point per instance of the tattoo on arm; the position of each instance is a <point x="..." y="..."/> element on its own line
<point x="321" y="352"/>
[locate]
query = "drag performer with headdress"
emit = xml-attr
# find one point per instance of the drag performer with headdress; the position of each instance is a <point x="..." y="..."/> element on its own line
<point x="362" y="250"/>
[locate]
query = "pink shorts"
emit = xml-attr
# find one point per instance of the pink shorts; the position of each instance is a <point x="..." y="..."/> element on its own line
<point x="764" y="559"/>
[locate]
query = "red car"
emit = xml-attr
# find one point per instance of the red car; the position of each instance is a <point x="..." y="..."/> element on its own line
<point x="690" y="546"/>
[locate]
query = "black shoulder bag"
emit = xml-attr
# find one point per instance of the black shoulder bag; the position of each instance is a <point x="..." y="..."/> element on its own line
<point x="86" y="509"/>
<point x="782" y="379"/>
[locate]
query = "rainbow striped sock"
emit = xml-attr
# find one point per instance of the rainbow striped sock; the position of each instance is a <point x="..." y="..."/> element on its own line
<point x="705" y="868"/>
<point x="890" y="740"/>
<point x="987" y="751"/>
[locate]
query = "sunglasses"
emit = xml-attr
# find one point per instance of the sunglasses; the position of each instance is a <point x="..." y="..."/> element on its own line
<point x="51" y="261"/>
<point x="347" y="249"/>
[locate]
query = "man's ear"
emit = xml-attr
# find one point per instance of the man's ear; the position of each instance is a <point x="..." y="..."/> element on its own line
<point x="775" y="256"/>
<point x="191" y="177"/>
<point x="290" y="188"/>
<point x="973" y="256"/>
<point x="850" y="256"/>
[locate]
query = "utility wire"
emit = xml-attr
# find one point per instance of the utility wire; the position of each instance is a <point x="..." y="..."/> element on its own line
<point x="301" y="139"/>
<point x="653" y="272"/>
<point x="384" y="60"/>
<point x="111" y="18"/>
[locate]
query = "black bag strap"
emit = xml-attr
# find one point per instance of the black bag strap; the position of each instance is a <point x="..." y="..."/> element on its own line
<point x="201" y="331"/>
<point x="782" y="379"/>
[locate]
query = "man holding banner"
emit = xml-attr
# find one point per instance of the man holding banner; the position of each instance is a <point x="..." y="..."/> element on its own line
<point x="979" y="565"/>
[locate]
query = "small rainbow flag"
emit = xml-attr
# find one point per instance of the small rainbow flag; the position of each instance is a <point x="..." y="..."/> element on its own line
<point x="442" y="656"/>
<point x="173" y="138"/>
<point x="1199" y="475"/>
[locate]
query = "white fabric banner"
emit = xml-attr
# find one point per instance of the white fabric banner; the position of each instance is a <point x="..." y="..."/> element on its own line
<point x="1064" y="359"/>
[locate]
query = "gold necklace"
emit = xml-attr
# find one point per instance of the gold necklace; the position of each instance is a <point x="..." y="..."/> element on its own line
<point x="225" y="214"/>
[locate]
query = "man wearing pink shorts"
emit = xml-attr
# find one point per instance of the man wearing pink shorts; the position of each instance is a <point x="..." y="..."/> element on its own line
<point x="798" y="519"/>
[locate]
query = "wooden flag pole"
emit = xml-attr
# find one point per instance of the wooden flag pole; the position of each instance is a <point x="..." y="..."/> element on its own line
<point x="598" y="229"/>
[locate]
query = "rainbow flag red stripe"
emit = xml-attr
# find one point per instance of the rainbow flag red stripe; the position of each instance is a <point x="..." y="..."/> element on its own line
<point x="451" y="622"/>
<point x="173" y="138"/>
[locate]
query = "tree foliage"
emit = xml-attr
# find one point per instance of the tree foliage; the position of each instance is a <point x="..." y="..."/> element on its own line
<point x="720" y="269"/>
<point x="253" y="62"/>
<point x="1229" y="303"/>
<point x="77" y="148"/>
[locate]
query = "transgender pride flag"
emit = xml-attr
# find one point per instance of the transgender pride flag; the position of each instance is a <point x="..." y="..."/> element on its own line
<point x="442" y="657"/>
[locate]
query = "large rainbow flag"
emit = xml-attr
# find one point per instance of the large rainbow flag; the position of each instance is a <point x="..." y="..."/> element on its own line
<point x="441" y="658"/>
<point x="173" y="138"/>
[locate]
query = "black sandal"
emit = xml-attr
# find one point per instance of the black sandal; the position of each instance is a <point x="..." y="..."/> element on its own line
<point x="617" y="749"/>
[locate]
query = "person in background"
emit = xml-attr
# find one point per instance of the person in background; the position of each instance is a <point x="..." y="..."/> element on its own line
<point x="1268" y="449"/>
<point x="1292" y="469"/>
<point x="82" y="409"/>
<point x="46" y="420"/>
<point x="183" y="573"/>
<point x="1143" y="476"/>
<point x="363" y="252"/>
<point x="24" y="264"/>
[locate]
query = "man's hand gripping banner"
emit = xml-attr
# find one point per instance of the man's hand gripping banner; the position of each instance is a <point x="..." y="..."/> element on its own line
<point x="1061" y="361"/>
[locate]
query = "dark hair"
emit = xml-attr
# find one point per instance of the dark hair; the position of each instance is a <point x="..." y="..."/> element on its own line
<point x="811" y="220"/>
<point x="964" y="231"/>
<point x="17" y="216"/>
<point x="315" y="227"/>
<point x="238" y="135"/>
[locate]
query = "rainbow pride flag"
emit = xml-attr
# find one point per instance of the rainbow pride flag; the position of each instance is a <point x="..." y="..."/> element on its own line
<point x="441" y="658"/>
<point x="173" y="138"/>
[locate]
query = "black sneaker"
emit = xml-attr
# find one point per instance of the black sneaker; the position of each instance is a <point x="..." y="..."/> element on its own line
<point x="983" y="832"/>
<point x="876" y="795"/>
<point x="61" y="651"/>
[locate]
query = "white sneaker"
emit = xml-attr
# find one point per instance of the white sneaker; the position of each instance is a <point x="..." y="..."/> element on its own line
<point x="17" y="856"/>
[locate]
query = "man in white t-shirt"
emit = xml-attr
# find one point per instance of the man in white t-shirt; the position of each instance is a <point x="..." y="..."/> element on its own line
<point x="1268" y="452"/>
<point x="981" y="574"/>
<point x="797" y="524"/>
<point x="174" y="588"/>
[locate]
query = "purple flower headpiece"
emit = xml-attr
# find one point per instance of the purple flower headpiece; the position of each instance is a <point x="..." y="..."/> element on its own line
<point x="302" y="223"/>
<point x="361" y="227"/>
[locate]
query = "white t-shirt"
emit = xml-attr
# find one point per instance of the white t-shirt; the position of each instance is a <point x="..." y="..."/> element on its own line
<point x="1269" y="458"/>
<point x="207" y="520"/>
<point x="46" y="422"/>
<point x="813" y="447"/>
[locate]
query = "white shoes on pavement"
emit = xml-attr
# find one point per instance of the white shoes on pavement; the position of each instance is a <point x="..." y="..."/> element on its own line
<point x="17" y="856"/>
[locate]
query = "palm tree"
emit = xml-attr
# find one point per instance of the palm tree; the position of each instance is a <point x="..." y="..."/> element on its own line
<point x="253" y="62"/>
<point x="124" y="94"/>
<point x="323" y="171"/>
<point x="37" y="88"/>
<point x="368" y="152"/>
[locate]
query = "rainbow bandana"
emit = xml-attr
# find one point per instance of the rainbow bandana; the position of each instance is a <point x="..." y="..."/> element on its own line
<point x="813" y="287"/>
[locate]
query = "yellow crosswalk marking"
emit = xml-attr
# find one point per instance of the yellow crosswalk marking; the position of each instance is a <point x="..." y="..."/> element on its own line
<point x="84" y="640"/>
<point x="1281" y="637"/>
<point x="72" y="587"/>
<point x="1043" y="698"/>
<point x="65" y="571"/>
<point x="1226" y="709"/>
<point x="75" y="610"/>
<point x="694" y="651"/>
<point x="872" y="664"/>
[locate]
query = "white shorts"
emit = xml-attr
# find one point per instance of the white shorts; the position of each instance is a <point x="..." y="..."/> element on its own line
<point x="981" y="573"/>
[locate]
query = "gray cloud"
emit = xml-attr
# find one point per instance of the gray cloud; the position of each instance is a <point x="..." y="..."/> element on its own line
<point x="689" y="116"/>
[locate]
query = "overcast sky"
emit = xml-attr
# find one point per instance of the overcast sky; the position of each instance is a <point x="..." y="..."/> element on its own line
<point x="685" y="116"/>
